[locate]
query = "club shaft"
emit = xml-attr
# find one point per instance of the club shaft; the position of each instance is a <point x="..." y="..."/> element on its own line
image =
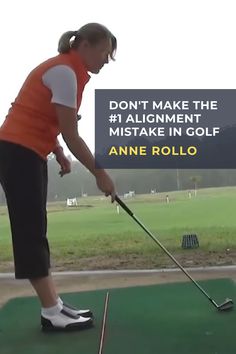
<point x="124" y="206"/>
<point x="173" y="259"/>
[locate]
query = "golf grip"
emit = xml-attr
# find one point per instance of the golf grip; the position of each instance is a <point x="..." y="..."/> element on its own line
<point x="124" y="206"/>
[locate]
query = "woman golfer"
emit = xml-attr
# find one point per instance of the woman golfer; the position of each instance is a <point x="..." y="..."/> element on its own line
<point x="46" y="106"/>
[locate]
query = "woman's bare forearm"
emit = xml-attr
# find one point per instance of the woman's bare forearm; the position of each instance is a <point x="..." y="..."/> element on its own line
<point x="80" y="150"/>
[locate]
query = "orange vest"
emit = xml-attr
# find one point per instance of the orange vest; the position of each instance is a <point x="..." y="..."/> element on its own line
<point x="32" y="120"/>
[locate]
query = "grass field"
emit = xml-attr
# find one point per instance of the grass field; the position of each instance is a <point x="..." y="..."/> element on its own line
<point x="94" y="236"/>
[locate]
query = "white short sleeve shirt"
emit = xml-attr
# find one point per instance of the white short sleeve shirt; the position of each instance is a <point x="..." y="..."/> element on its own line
<point x="62" y="82"/>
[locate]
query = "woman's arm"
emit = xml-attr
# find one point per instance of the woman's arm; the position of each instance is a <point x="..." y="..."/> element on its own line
<point x="67" y="118"/>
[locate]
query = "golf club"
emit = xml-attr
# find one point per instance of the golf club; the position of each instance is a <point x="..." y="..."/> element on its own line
<point x="225" y="306"/>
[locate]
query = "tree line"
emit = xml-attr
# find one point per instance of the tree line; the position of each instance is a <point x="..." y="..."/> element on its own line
<point x="80" y="181"/>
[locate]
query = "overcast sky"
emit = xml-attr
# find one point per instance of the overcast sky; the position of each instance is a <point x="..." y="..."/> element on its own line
<point x="161" y="45"/>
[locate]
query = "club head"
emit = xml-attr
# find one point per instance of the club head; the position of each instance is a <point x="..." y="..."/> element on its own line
<point x="227" y="305"/>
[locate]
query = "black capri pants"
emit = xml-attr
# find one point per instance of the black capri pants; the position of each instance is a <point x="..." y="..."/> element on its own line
<point x="23" y="176"/>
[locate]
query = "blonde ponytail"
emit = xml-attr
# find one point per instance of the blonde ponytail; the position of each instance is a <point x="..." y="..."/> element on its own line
<point x="65" y="41"/>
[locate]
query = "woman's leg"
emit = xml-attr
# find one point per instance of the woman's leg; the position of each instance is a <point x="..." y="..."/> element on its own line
<point x="23" y="175"/>
<point x="45" y="290"/>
